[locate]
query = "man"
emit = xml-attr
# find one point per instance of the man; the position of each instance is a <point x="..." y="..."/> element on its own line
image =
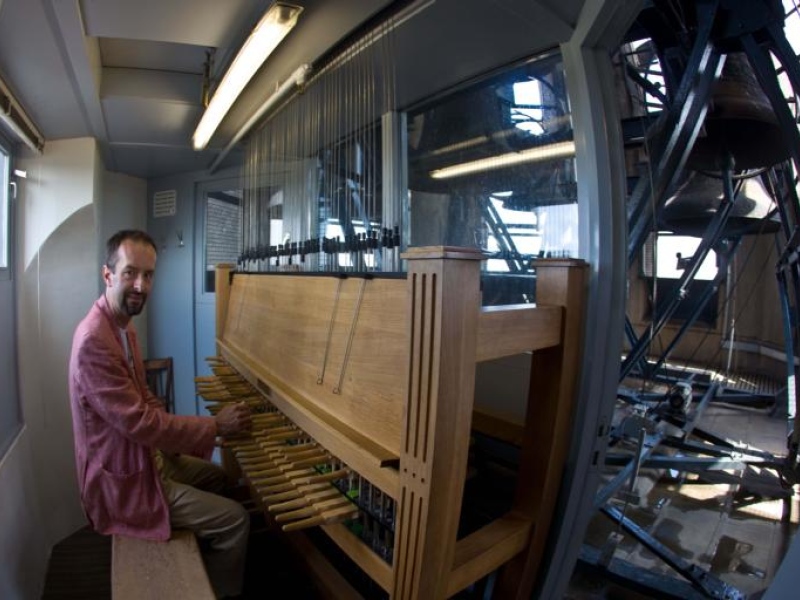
<point x="133" y="475"/>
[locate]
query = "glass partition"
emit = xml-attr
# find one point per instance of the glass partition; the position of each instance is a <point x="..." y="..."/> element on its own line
<point x="488" y="166"/>
<point x="492" y="166"/>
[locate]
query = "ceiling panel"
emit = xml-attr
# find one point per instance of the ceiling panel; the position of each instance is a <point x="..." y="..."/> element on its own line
<point x="149" y="162"/>
<point x="165" y="86"/>
<point x="32" y="63"/>
<point x="213" y="23"/>
<point x="138" y="121"/>
<point x="164" y="56"/>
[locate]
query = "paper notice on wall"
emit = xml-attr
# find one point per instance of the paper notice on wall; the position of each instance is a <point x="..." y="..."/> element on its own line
<point x="164" y="203"/>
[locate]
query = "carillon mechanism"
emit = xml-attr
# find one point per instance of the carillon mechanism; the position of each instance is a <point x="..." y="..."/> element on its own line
<point x="297" y="481"/>
<point x="320" y="193"/>
<point x="362" y="388"/>
<point x="740" y="122"/>
<point x="361" y="252"/>
<point x="691" y="208"/>
<point x="337" y="180"/>
<point x="226" y="386"/>
<point x="363" y="339"/>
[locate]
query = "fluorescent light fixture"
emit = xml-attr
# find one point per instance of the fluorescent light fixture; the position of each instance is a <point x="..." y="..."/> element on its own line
<point x="17" y="120"/>
<point x="538" y="154"/>
<point x="296" y="80"/>
<point x="270" y="31"/>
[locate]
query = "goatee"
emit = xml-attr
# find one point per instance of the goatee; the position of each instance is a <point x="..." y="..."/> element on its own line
<point x="134" y="304"/>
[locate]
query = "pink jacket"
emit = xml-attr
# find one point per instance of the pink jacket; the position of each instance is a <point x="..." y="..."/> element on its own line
<point x="117" y="424"/>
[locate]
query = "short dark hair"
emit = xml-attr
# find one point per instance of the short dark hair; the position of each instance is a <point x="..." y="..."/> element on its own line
<point x="115" y="241"/>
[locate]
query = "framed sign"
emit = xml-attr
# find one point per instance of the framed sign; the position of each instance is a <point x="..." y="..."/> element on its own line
<point x="164" y="203"/>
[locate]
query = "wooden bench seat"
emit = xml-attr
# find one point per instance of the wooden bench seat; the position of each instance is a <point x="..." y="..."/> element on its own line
<point x="145" y="569"/>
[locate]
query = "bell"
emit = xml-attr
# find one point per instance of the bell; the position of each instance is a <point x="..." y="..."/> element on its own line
<point x="740" y="121"/>
<point x="691" y="208"/>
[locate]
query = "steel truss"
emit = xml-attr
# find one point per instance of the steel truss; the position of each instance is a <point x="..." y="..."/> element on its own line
<point x="667" y="437"/>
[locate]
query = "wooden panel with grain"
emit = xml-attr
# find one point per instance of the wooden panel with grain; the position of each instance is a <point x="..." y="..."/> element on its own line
<point x="514" y="329"/>
<point x="444" y="305"/>
<point x="283" y="327"/>
<point x="380" y="373"/>
<point x="487" y="549"/>
<point x="148" y="569"/>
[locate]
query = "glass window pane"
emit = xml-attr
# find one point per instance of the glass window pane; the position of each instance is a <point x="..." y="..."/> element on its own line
<point x="11" y="419"/>
<point x="223" y="232"/>
<point x="493" y="167"/>
<point x="666" y="255"/>
<point x="4" y="210"/>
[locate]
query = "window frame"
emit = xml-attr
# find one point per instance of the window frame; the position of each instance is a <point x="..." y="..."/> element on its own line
<point x="664" y="284"/>
<point x="207" y="285"/>
<point x="6" y="211"/>
<point x="10" y="392"/>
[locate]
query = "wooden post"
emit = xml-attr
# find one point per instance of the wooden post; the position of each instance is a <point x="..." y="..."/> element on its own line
<point x="553" y="384"/>
<point x="222" y="290"/>
<point x="444" y="301"/>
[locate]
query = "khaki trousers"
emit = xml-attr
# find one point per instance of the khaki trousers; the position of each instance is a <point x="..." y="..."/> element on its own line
<point x="222" y="526"/>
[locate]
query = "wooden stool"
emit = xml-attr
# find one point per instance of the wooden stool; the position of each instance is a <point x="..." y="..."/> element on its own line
<point x="146" y="569"/>
<point x="160" y="380"/>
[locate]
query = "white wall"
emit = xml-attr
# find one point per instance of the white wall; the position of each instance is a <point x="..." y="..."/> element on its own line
<point x="176" y="316"/>
<point x="59" y="182"/>
<point x="59" y="240"/>
<point x="123" y="205"/>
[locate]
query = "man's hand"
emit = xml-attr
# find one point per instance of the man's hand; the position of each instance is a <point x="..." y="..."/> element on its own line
<point x="233" y="419"/>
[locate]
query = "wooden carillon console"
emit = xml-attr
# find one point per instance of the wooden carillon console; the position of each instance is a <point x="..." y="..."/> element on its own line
<point x="363" y="387"/>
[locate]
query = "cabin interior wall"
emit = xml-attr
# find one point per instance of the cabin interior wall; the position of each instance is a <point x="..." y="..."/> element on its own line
<point x="172" y="303"/>
<point x="59" y="233"/>
<point x="124" y="206"/>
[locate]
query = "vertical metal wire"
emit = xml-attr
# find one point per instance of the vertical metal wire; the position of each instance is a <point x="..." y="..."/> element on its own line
<point x="322" y="151"/>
